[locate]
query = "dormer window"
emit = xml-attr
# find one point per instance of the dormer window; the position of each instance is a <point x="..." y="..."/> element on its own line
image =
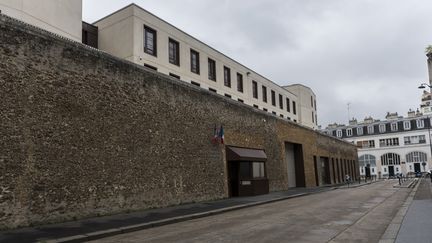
<point x="359" y="130"/>
<point x="382" y="128"/>
<point x="407" y="125"/>
<point x="339" y="133"/>
<point x="349" y="132"/>
<point x="370" y="129"/>
<point x="394" y="126"/>
<point x="420" y="123"/>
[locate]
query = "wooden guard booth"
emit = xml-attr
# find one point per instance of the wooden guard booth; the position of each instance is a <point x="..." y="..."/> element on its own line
<point x="247" y="175"/>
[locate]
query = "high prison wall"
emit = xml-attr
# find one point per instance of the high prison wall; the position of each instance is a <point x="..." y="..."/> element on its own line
<point x="86" y="134"/>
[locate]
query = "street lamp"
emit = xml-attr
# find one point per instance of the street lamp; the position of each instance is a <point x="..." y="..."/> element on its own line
<point x="423" y="86"/>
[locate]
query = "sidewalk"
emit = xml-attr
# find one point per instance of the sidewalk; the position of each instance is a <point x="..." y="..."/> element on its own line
<point x="417" y="223"/>
<point x="96" y="228"/>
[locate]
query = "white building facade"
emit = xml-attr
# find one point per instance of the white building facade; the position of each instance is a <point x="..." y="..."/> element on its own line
<point x="63" y="17"/>
<point x="394" y="145"/>
<point x="136" y="35"/>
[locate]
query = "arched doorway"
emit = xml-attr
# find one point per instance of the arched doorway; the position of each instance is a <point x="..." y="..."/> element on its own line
<point x="390" y="163"/>
<point x="415" y="160"/>
<point x="367" y="163"/>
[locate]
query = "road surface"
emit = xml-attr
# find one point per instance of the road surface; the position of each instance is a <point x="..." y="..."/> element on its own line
<point x="359" y="214"/>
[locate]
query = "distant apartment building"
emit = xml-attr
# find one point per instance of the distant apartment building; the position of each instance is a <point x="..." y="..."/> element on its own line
<point x="63" y="17"/>
<point x="137" y="35"/>
<point x="391" y="146"/>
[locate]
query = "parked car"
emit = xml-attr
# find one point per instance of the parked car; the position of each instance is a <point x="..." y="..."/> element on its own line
<point x="418" y="174"/>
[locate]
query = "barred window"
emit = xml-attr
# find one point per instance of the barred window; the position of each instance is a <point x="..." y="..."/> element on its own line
<point x="149" y="41"/>
<point x="367" y="159"/>
<point x="390" y="159"/>
<point x="416" y="157"/>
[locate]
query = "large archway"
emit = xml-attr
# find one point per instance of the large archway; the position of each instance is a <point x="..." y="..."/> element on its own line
<point x="390" y="163"/>
<point x="415" y="160"/>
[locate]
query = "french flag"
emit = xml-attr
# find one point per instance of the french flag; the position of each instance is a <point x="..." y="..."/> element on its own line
<point x="221" y="135"/>
<point x="215" y="135"/>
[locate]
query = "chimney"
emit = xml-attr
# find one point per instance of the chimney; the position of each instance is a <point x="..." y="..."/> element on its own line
<point x="411" y="113"/>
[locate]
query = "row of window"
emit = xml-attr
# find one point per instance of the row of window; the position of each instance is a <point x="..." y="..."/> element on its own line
<point x="381" y="128"/>
<point x="150" y="47"/>
<point x="392" y="159"/>
<point x="388" y="142"/>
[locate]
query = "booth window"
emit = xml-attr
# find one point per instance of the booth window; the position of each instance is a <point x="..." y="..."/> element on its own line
<point x="258" y="170"/>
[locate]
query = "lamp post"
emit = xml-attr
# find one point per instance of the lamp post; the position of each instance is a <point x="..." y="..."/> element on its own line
<point x="423" y="86"/>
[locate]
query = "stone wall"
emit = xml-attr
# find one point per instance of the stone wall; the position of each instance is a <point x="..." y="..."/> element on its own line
<point x="86" y="134"/>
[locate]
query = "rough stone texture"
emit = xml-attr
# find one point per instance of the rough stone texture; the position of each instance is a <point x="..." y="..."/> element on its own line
<point x="86" y="134"/>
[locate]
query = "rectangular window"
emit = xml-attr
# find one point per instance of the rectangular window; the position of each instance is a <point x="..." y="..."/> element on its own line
<point x="195" y="67"/>
<point x="212" y="90"/>
<point x="240" y="100"/>
<point x="227" y="77"/>
<point x="150" y="41"/>
<point x="273" y="98"/>
<point x="256" y="106"/>
<point x="313" y="117"/>
<point x="359" y="130"/>
<point x="258" y="170"/>
<point x="394" y="126"/>
<point x="195" y="83"/>
<point x="265" y="109"/>
<point x="239" y="82"/>
<point x="174" y="76"/>
<point x="312" y="102"/>
<point x="211" y="69"/>
<point x="370" y="129"/>
<point x="349" y="132"/>
<point x="255" y="89"/>
<point x="288" y="105"/>
<point x="274" y="113"/>
<point x="294" y="108"/>
<point x="264" y="93"/>
<point x="281" y="101"/>
<point x="339" y="133"/>
<point x="382" y="128"/>
<point x="227" y="95"/>
<point x="366" y="144"/>
<point x="388" y="142"/>
<point x="174" y="52"/>
<point x="151" y="67"/>
<point x="315" y="105"/>
<point x="415" y="139"/>
<point x="407" y="125"/>
<point x="420" y="123"/>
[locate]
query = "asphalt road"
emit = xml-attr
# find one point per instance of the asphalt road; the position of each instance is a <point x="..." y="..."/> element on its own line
<point x="344" y="215"/>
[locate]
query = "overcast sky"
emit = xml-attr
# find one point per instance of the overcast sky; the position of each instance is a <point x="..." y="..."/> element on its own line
<point x="369" y="53"/>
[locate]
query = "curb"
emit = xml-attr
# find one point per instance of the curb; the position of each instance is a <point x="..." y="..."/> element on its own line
<point x="127" y="229"/>
<point x="356" y="185"/>
<point x="410" y="184"/>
